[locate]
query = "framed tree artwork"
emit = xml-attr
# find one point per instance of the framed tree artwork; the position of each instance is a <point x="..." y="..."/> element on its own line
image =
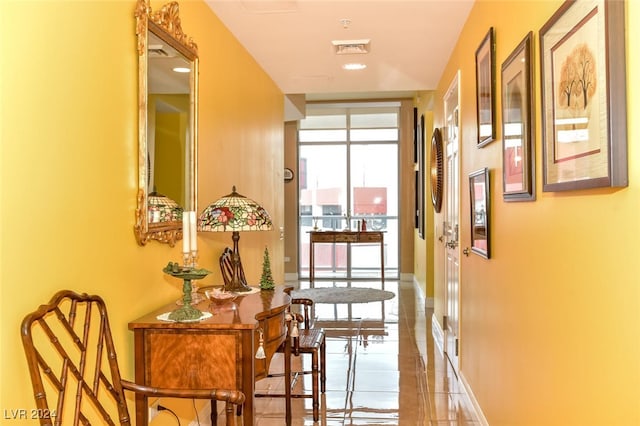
<point x="584" y="128"/>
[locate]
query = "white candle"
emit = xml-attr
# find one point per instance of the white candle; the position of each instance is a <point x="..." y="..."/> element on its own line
<point x="193" y="232"/>
<point x="185" y="232"/>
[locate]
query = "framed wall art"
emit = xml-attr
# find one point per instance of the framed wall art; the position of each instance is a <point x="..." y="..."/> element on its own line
<point x="518" y="153"/>
<point x="584" y="128"/>
<point x="421" y="178"/>
<point x="486" y="89"/>
<point x="480" y="212"/>
<point x="415" y="135"/>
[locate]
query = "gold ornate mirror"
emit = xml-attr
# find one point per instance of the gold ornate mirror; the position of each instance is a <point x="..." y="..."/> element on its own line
<point x="167" y="127"/>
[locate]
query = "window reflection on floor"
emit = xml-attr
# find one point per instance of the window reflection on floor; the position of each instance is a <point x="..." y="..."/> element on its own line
<point x="383" y="367"/>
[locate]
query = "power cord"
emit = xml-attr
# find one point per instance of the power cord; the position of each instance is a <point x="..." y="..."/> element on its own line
<point x="163" y="408"/>
<point x="195" y="409"/>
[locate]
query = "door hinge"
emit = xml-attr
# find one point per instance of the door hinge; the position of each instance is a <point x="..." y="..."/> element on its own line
<point x="444" y="322"/>
<point x="457" y="346"/>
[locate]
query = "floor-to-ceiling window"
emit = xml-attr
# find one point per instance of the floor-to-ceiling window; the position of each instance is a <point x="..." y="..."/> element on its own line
<point x="348" y="169"/>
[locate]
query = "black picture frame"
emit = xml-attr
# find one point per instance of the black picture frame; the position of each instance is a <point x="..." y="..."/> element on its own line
<point x="480" y="212"/>
<point x="518" y="133"/>
<point x="415" y="135"/>
<point x="421" y="178"/>
<point x="486" y="89"/>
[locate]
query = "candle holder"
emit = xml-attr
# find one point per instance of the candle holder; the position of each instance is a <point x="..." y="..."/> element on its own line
<point x="186" y="312"/>
<point x="190" y="259"/>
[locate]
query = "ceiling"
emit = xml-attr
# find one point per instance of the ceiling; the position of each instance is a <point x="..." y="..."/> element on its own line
<point x="410" y="43"/>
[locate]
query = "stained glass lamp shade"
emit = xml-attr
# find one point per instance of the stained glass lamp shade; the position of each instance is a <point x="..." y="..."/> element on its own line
<point x="235" y="212"/>
<point x="163" y="209"/>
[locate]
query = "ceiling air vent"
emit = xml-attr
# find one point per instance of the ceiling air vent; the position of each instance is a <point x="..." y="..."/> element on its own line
<point x="157" y="50"/>
<point x="351" y="47"/>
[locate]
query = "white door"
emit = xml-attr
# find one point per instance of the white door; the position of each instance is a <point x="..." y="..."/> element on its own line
<point x="452" y="223"/>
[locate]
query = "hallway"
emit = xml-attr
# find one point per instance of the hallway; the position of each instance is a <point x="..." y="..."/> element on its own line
<point x="383" y="367"/>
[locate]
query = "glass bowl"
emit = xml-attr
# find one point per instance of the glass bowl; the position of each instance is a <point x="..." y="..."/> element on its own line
<point x="219" y="297"/>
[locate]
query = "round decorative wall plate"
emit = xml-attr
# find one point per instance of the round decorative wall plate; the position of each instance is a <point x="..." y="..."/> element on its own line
<point x="436" y="170"/>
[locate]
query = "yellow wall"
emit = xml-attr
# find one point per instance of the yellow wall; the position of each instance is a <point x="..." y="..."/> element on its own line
<point x="68" y="178"/>
<point x="422" y="246"/>
<point x="171" y="128"/>
<point x="550" y="326"/>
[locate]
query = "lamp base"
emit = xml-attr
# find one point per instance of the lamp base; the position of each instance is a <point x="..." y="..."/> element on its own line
<point x="238" y="287"/>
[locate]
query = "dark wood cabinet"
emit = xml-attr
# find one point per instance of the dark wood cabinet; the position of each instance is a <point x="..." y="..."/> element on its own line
<point x="217" y="352"/>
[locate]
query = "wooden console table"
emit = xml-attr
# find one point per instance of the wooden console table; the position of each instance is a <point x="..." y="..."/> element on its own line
<point x="218" y="352"/>
<point x="349" y="237"/>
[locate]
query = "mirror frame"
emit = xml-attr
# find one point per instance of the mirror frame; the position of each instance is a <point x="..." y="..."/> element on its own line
<point x="165" y="24"/>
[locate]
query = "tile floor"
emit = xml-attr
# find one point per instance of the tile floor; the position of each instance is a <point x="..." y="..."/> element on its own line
<point x="383" y="367"/>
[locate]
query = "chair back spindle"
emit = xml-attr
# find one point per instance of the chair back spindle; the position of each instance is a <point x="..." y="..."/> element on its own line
<point x="74" y="368"/>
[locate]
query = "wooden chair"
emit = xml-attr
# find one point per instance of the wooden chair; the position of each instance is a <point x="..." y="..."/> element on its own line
<point x="226" y="267"/>
<point x="74" y="370"/>
<point x="305" y="340"/>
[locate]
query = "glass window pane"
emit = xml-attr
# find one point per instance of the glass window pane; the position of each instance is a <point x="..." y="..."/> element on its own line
<point x="369" y="135"/>
<point x="365" y="258"/>
<point x="325" y="197"/>
<point x="324" y="177"/>
<point x="329" y="121"/>
<point x="374" y="120"/>
<point x="372" y="135"/>
<point x="322" y="136"/>
<point x="374" y="180"/>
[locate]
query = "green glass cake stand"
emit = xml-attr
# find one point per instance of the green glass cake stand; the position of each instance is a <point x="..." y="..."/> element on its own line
<point x="186" y="312"/>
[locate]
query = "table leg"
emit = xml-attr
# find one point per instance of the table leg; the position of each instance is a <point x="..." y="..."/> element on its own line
<point x="311" y="262"/>
<point x="382" y="257"/>
<point x="142" y="409"/>
<point x="287" y="380"/>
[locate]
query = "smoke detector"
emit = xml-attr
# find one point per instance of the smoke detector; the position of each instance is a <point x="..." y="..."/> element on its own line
<point x="351" y="47"/>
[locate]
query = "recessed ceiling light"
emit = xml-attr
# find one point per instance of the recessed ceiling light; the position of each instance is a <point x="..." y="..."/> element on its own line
<point x="181" y="69"/>
<point x="354" y="66"/>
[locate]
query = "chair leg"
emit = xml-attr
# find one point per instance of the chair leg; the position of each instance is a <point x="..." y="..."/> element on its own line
<point x="229" y="412"/>
<point x="314" y="383"/>
<point x="323" y="367"/>
<point x="287" y="384"/>
<point x="214" y="412"/>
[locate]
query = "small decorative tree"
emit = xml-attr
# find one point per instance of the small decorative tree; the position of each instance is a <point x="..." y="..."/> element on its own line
<point x="266" y="280"/>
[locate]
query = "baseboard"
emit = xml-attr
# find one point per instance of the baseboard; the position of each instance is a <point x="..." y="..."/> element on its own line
<point x="291" y="277"/>
<point x="407" y="277"/>
<point x="474" y="401"/>
<point x="429" y="301"/>
<point x="438" y="338"/>
<point x="438" y="334"/>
